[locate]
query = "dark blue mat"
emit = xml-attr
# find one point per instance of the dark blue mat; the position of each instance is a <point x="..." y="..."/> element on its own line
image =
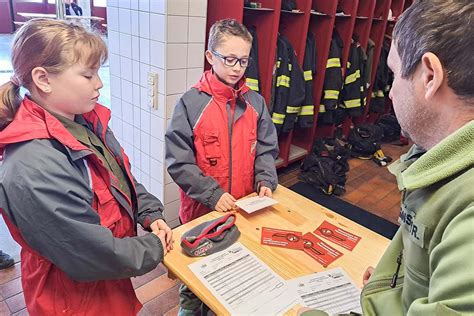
<point x="348" y="210"/>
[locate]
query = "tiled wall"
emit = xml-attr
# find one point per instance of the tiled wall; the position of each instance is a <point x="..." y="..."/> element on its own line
<point x="166" y="37"/>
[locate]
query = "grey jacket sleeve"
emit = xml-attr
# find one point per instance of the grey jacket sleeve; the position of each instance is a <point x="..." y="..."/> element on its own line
<point x="150" y="207"/>
<point x="49" y="201"/>
<point x="266" y="151"/>
<point x="181" y="161"/>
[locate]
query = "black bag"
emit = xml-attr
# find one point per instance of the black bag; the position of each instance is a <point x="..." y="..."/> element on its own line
<point x="365" y="140"/>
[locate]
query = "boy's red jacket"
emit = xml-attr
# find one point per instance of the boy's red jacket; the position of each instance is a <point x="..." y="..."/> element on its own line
<point x="219" y="140"/>
<point x="77" y="230"/>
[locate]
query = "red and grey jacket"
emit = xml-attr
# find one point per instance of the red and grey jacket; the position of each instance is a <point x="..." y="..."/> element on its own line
<point x="77" y="230"/>
<point x="219" y="140"/>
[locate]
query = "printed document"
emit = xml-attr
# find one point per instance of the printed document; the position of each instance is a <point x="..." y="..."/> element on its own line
<point x="255" y="203"/>
<point x="243" y="284"/>
<point x="331" y="291"/>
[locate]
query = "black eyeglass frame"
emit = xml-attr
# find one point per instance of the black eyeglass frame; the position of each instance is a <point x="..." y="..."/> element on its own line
<point x="237" y="60"/>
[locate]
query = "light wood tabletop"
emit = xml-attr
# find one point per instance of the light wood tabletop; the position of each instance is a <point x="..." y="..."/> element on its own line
<point x="293" y="212"/>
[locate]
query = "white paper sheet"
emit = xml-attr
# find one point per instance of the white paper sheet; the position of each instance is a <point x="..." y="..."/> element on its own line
<point x="255" y="203"/>
<point x="243" y="283"/>
<point x="331" y="291"/>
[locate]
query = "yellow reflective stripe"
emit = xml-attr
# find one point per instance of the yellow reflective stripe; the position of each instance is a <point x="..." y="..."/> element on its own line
<point x="307" y="110"/>
<point x="278" y="64"/>
<point x="290" y="66"/>
<point x="352" y="103"/>
<point x="379" y="93"/>
<point x="308" y="75"/>
<point x="322" y="108"/>
<point x="333" y="62"/>
<point x="278" y="118"/>
<point x="292" y="109"/>
<point x="349" y="64"/>
<point x="283" y="81"/>
<point x="331" y="94"/>
<point x="365" y="102"/>
<point x="252" y="84"/>
<point x="353" y="77"/>
<point x="361" y="88"/>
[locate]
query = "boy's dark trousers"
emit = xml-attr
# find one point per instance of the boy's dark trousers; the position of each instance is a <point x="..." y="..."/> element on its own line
<point x="190" y="304"/>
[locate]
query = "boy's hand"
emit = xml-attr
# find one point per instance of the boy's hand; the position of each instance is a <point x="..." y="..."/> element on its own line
<point x="160" y="225"/>
<point x="226" y="203"/>
<point x="264" y="191"/>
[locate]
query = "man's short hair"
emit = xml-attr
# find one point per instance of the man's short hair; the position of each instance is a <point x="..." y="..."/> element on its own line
<point x="227" y="27"/>
<point x="444" y="28"/>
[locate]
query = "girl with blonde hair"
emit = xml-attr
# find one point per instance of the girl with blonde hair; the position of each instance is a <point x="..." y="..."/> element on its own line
<point x="66" y="190"/>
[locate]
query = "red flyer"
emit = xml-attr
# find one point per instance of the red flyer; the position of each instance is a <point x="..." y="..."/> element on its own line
<point x="282" y="238"/>
<point x="337" y="235"/>
<point x="319" y="250"/>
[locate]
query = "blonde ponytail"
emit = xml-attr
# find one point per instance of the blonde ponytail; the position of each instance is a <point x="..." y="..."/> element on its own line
<point x="9" y="103"/>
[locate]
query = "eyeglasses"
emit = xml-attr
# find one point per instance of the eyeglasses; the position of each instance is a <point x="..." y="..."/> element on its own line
<point x="232" y="61"/>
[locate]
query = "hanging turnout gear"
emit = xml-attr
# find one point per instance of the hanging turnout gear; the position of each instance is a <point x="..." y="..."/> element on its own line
<point x="332" y="81"/>
<point x="289" y="87"/>
<point x="354" y="94"/>
<point x="251" y="73"/>
<point x="306" y="113"/>
<point x="383" y="82"/>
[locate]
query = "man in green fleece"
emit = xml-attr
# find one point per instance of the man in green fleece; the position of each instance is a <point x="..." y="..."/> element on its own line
<point x="428" y="269"/>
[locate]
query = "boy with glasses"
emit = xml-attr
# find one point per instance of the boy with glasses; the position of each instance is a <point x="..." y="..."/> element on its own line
<point x="221" y="144"/>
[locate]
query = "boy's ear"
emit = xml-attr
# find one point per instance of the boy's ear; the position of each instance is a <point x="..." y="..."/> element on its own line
<point x="40" y="77"/>
<point x="210" y="57"/>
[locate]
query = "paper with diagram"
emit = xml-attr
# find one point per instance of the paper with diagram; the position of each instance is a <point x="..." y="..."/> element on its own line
<point x="331" y="291"/>
<point x="243" y="284"/>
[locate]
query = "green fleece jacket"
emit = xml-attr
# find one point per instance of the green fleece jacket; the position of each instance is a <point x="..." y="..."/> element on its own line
<point x="435" y="242"/>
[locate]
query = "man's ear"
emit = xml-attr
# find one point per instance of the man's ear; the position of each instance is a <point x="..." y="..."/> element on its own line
<point x="432" y="74"/>
<point x="40" y="77"/>
<point x="210" y="57"/>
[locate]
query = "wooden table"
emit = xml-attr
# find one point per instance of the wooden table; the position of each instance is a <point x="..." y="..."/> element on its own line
<point x="294" y="212"/>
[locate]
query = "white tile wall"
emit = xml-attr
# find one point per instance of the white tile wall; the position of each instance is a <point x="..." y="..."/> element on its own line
<point x="192" y="76"/>
<point x="176" y="56"/>
<point x="162" y="36"/>
<point x="126" y="68"/>
<point x="177" y="29"/>
<point x="158" y="27"/>
<point x="125" y="25"/>
<point x="171" y="192"/>
<point x="145" y="50"/>
<point x="171" y="211"/>
<point x="195" y="55"/>
<point x="196" y="25"/>
<point x="177" y="7"/>
<point x="157" y="54"/>
<point x="126" y="45"/>
<point x="144" y="24"/>
<point x="175" y="81"/>
<point x="171" y="101"/>
<point x="198" y="8"/>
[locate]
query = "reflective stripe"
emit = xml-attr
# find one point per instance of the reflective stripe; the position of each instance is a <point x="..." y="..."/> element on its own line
<point x="307" y="110"/>
<point x="308" y="75"/>
<point x="278" y="64"/>
<point x="333" y="62"/>
<point x="322" y="108"/>
<point x="252" y="84"/>
<point x="352" y="103"/>
<point x="379" y="93"/>
<point x="331" y="94"/>
<point x="283" y="81"/>
<point x="349" y="64"/>
<point x="361" y="88"/>
<point x="353" y="77"/>
<point x="292" y="109"/>
<point x="290" y="66"/>
<point x="278" y="118"/>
